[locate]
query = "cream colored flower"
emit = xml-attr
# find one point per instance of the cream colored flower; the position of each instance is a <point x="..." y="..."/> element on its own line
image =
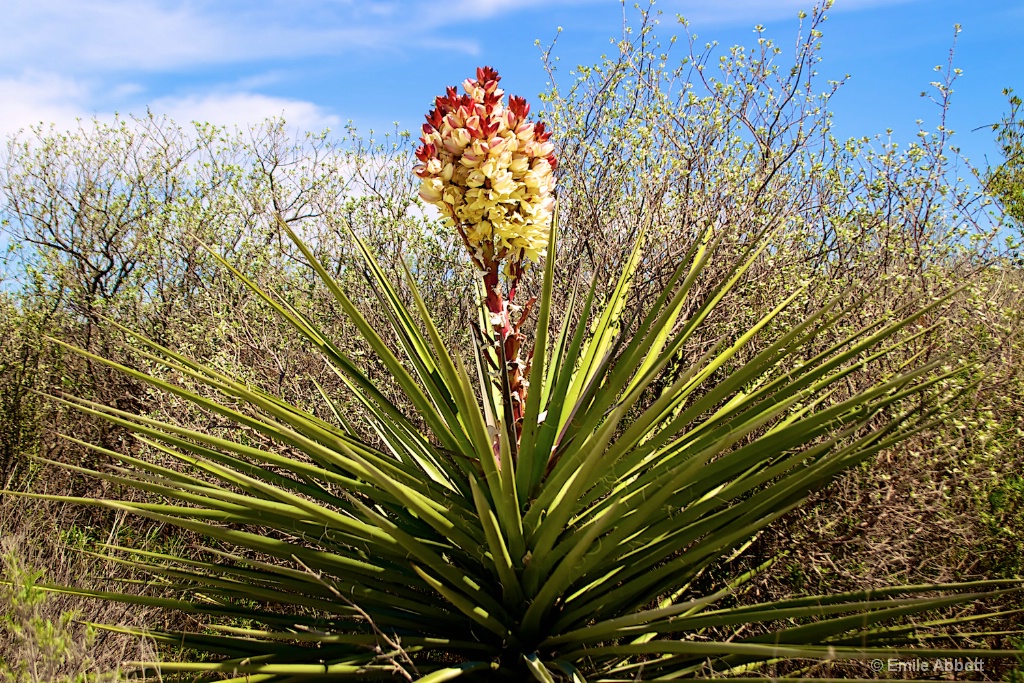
<point x="490" y="171"/>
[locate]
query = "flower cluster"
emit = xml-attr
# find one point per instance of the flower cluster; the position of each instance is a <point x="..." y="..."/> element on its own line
<point x="489" y="171"/>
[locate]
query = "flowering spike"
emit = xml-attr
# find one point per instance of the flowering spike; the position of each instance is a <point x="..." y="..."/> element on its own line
<point x="493" y="177"/>
<point x="490" y="172"/>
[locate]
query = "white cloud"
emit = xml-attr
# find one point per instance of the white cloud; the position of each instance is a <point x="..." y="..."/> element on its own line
<point x="80" y="58"/>
<point x="153" y="35"/>
<point x="34" y="98"/>
<point x="70" y="35"/>
<point x="119" y="36"/>
<point x="244" y="109"/>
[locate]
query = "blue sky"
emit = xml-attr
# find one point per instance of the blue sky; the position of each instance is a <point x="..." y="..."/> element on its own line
<point x="325" y="62"/>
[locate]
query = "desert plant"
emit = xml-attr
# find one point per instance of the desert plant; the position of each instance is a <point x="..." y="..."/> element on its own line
<point x="562" y="516"/>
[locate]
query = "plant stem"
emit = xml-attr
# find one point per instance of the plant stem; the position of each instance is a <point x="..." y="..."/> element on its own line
<point x="508" y="343"/>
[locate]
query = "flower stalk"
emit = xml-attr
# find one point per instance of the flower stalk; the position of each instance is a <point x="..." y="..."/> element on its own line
<point x="489" y="170"/>
<point x="508" y="340"/>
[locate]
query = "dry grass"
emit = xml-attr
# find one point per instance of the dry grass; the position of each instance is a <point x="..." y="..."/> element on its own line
<point x="55" y="643"/>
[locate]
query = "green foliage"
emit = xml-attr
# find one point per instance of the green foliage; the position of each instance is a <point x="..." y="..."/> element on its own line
<point x="44" y="650"/>
<point x="1004" y="518"/>
<point x="1006" y="181"/>
<point x="575" y="552"/>
<point x="1016" y="675"/>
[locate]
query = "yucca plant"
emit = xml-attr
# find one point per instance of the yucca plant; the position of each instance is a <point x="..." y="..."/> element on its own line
<point x="523" y="515"/>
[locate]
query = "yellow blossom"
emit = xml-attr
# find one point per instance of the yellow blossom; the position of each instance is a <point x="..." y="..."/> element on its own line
<point x="490" y="171"/>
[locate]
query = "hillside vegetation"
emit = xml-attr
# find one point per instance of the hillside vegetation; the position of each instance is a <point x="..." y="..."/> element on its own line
<point x="106" y="226"/>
